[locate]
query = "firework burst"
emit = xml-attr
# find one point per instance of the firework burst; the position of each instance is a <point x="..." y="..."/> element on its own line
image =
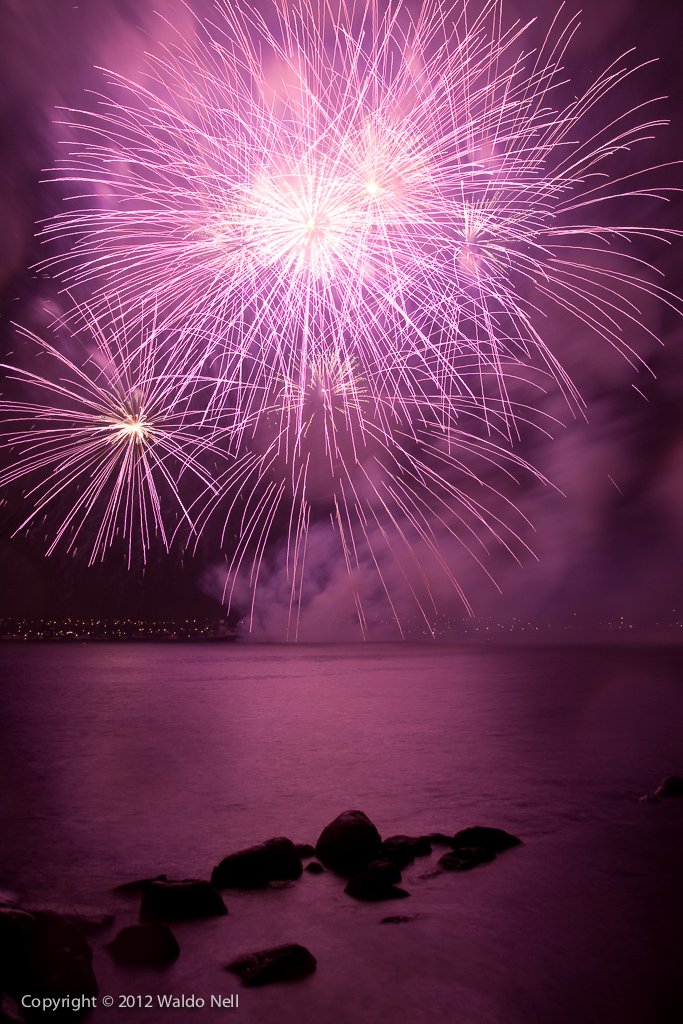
<point x="394" y="486"/>
<point x="383" y="183"/>
<point x="105" y="439"/>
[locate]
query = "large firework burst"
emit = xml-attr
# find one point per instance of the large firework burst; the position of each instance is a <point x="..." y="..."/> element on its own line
<point x="378" y="181"/>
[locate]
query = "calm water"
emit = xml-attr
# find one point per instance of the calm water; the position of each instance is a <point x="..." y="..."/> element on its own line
<point x="120" y="761"/>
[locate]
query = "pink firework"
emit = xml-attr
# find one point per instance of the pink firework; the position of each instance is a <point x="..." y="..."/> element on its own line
<point x="401" y="188"/>
<point x="396" y="490"/>
<point x="114" y="447"/>
<point x="349" y="224"/>
<point x="106" y="441"/>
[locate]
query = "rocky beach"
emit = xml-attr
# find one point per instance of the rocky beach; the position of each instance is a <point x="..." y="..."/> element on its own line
<point x="548" y="890"/>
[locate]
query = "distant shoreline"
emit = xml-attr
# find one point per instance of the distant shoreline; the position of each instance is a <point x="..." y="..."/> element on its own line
<point x="654" y="642"/>
<point x="119" y="639"/>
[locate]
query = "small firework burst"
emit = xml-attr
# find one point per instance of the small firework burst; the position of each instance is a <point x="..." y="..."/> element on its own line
<point x="105" y="439"/>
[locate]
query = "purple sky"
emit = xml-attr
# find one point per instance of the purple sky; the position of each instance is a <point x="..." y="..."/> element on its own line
<point x="610" y="544"/>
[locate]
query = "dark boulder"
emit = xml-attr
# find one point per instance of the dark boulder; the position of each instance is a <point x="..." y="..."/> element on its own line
<point x="90" y="922"/>
<point x="314" y="868"/>
<point x="304" y="850"/>
<point x="145" y="945"/>
<point x="10" y="1012"/>
<point x="494" y="839"/>
<point x="381" y="871"/>
<point x="438" y="839"/>
<point x="273" y="861"/>
<point x="376" y="882"/>
<point x="348" y="843"/>
<point x="403" y="850"/>
<point x="397" y="919"/>
<point x="373" y="892"/>
<point x="61" y="957"/>
<point x="137" y="887"/>
<point x="16" y="928"/>
<point x="280" y="963"/>
<point x="181" y="901"/>
<point x="465" y="857"/>
<point x="45" y="954"/>
<point x="672" y="785"/>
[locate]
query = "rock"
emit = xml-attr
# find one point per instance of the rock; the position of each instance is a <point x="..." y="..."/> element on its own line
<point x="181" y="900"/>
<point x="304" y="850"/>
<point x="403" y="850"/>
<point x="10" y="1012"/>
<point x="274" y="860"/>
<point x="15" y="930"/>
<point x="314" y="868"/>
<point x="377" y="893"/>
<point x="90" y="924"/>
<point x="145" y="945"/>
<point x="672" y="785"/>
<point x="396" y="919"/>
<point x="61" y="957"/>
<point x="438" y="838"/>
<point x="376" y="882"/>
<point x="465" y="857"/>
<point x="348" y="843"/>
<point x="137" y="887"/>
<point x="494" y="839"/>
<point x="88" y="920"/>
<point x="649" y="798"/>
<point x="381" y="871"/>
<point x="280" y="963"/>
<point x="45" y="954"/>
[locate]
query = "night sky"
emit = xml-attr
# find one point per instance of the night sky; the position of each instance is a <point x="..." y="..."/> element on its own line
<point x="608" y="541"/>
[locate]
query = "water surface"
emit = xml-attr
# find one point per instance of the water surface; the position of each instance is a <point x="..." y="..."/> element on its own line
<point x="124" y="760"/>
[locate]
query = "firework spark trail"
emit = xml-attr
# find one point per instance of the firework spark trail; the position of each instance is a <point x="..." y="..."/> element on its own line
<point x="378" y="183"/>
<point x="111" y="439"/>
<point x="318" y="450"/>
<point x="126" y="428"/>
